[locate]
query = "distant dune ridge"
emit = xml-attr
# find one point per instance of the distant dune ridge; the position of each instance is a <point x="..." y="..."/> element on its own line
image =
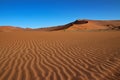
<point x="87" y="25"/>
<point x="10" y="28"/>
<point x="76" y="26"/>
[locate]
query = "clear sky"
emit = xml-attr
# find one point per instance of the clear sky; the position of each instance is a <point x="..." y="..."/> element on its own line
<point x="45" y="13"/>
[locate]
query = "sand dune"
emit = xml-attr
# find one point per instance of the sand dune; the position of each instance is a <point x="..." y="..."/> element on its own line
<point x="10" y="29"/>
<point x="60" y="55"/>
<point x="95" y="25"/>
<point x="78" y="25"/>
<point x="85" y="25"/>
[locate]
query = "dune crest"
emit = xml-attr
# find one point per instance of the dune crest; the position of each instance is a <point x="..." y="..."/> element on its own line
<point x="77" y="25"/>
<point x="86" y="25"/>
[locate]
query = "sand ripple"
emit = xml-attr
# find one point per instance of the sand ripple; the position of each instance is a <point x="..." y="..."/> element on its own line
<point x="59" y="59"/>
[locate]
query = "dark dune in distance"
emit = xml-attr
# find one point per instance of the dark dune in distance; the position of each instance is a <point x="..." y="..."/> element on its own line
<point x="77" y="25"/>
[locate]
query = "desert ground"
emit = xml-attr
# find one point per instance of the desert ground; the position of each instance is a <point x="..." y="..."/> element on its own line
<point x="34" y="55"/>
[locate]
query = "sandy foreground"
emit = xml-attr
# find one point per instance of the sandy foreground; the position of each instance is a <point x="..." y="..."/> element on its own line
<point x="60" y="55"/>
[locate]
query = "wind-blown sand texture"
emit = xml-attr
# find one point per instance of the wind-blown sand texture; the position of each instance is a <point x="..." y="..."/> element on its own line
<point x="60" y="55"/>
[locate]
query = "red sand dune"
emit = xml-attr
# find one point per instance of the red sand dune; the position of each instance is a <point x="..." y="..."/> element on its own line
<point x="30" y="54"/>
<point x="86" y="25"/>
<point x="76" y="26"/>
<point x="10" y="29"/>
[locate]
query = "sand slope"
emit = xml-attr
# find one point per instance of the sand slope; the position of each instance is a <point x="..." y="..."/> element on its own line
<point x="78" y="25"/>
<point x="60" y="55"/>
<point x="95" y="25"/>
<point x="87" y="25"/>
<point x="10" y="29"/>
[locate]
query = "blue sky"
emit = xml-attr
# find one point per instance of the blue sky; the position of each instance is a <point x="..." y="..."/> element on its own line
<point x="45" y="13"/>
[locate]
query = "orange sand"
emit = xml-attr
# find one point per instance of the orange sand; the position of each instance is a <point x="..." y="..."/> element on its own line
<point x="60" y="55"/>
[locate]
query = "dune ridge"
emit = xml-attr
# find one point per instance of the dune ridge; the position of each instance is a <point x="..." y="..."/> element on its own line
<point x="77" y="25"/>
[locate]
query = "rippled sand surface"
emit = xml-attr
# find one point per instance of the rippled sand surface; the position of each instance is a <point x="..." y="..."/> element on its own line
<point x="60" y="55"/>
